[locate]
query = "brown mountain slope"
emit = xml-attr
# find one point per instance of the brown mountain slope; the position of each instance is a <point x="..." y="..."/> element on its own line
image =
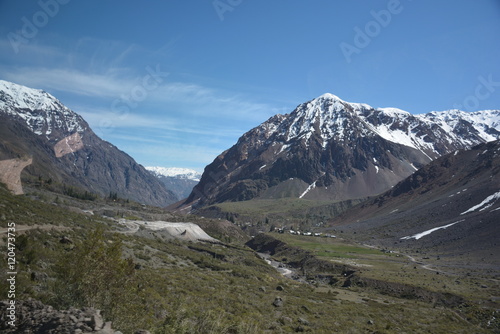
<point x="449" y="207"/>
<point x="63" y="149"/>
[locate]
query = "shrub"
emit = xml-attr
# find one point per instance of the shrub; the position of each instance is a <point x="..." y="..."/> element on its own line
<point x="94" y="274"/>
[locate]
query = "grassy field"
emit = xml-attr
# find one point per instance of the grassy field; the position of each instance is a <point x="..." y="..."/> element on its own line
<point x="270" y="206"/>
<point x="330" y="248"/>
<point x="400" y="268"/>
<point x="292" y="212"/>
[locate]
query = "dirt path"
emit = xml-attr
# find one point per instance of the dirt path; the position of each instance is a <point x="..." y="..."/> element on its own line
<point x="415" y="261"/>
<point x="427" y="266"/>
<point x="22" y="228"/>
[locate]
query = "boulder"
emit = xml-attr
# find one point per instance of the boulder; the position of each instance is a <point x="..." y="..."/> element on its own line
<point x="278" y="302"/>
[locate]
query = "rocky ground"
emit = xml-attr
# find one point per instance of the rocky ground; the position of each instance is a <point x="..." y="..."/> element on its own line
<point x="35" y="317"/>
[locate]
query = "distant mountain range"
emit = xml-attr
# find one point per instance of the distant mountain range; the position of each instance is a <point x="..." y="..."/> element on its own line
<point x="180" y="181"/>
<point x="328" y="148"/>
<point x="176" y="172"/>
<point x="64" y="150"/>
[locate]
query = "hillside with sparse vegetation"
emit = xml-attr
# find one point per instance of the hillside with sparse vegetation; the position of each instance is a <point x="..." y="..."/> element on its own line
<point x="68" y="258"/>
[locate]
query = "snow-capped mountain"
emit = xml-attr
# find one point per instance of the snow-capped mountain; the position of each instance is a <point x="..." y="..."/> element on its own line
<point x="332" y="149"/>
<point x="485" y="122"/>
<point x="64" y="149"/>
<point x="41" y="112"/>
<point x="176" y="172"/>
<point x="180" y="181"/>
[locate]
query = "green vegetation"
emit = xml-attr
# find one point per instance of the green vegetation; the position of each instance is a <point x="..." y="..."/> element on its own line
<point x="395" y="267"/>
<point x="329" y="247"/>
<point x="94" y="274"/>
<point x="301" y="213"/>
<point x="75" y="193"/>
<point x="269" y="206"/>
<point x="145" y="281"/>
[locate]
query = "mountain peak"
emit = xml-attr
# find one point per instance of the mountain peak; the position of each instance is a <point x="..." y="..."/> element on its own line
<point x="393" y="112"/>
<point x="42" y="113"/>
<point x="18" y="96"/>
<point x="329" y="96"/>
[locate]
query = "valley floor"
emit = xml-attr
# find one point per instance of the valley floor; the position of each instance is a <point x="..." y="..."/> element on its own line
<point x="145" y="279"/>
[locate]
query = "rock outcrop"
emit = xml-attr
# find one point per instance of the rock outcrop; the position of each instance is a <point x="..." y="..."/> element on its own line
<point x="10" y="173"/>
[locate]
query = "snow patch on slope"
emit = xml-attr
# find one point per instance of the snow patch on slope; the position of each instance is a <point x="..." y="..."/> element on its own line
<point x="484" y="204"/>
<point x="311" y="187"/>
<point x="423" y="234"/>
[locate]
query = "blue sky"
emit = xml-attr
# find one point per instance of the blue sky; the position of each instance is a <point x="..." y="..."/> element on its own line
<point x="175" y="83"/>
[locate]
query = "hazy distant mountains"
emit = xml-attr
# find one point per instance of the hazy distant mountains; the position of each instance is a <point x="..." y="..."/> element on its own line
<point x="63" y="148"/>
<point x="180" y="181"/>
<point x="331" y="149"/>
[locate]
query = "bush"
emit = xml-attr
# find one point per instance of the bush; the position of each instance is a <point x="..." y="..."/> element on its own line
<point x="94" y="274"/>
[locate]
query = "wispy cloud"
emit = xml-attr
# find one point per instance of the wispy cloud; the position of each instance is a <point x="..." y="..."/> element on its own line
<point x="117" y="83"/>
<point x="70" y="81"/>
<point x="180" y="120"/>
<point x="29" y="50"/>
<point x="99" y="118"/>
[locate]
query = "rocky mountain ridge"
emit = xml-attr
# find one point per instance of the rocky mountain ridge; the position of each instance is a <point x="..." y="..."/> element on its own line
<point x="65" y="150"/>
<point x="332" y="149"/>
<point x="450" y="206"/>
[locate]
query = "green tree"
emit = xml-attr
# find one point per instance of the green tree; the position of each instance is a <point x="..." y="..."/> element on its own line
<point x="94" y="274"/>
